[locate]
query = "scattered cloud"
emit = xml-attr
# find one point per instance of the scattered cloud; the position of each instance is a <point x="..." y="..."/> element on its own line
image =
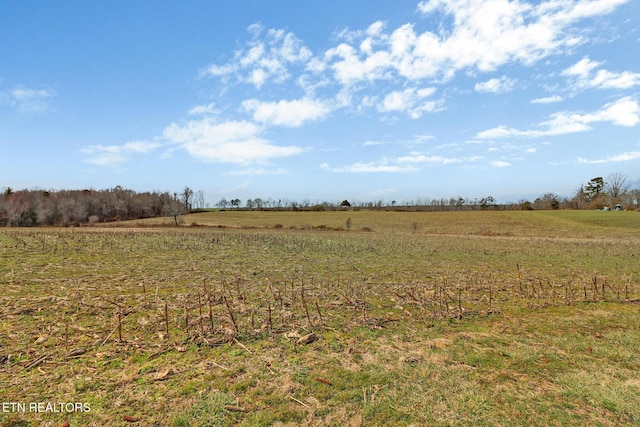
<point x="410" y="163"/>
<point x="370" y="167"/>
<point x="415" y="140"/>
<point x="623" y="112"/>
<point x="624" y="157"/>
<point x="370" y="143"/>
<point x="234" y="141"/>
<point x="499" y="164"/>
<point x="501" y="85"/>
<point x="201" y="110"/>
<point x="547" y="100"/>
<point x="350" y="65"/>
<point x="287" y="113"/>
<point x="228" y="142"/>
<point x="113" y="155"/>
<point x="266" y="57"/>
<point x="409" y="101"/>
<point x="486" y="36"/>
<point x="396" y="71"/>
<point x="27" y="100"/>
<point x="418" y="158"/>
<point x="478" y="37"/>
<point x="586" y="75"/>
<point x="257" y="171"/>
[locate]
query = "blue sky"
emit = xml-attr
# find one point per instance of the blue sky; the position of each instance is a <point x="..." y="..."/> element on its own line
<point x="363" y="100"/>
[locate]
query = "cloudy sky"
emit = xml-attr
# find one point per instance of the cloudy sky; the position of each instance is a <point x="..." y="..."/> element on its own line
<point x="365" y="99"/>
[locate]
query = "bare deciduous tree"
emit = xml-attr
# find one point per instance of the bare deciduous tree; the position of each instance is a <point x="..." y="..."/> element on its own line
<point x="174" y="209"/>
<point x="186" y="197"/>
<point x="198" y="199"/>
<point x="616" y="185"/>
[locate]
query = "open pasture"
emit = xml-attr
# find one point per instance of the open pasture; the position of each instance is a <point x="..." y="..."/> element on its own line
<point x="287" y="318"/>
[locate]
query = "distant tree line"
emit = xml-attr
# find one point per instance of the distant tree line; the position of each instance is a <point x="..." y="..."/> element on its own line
<point x="26" y="208"/>
<point x="422" y="204"/>
<point x="598" y="193"/>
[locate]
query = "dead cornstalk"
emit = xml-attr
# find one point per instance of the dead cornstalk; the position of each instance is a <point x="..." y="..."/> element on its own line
<point x="533" y="290"/>
<point x="224" y="288"/>
<point x="230" y="311"/>
<point x="304" y="303"/>
<point x="433" y="303"/>
<point x="200" y="318"/>
<point x="166" y="317"/>
<point x="626" y="290"/>
<point x="186" y="318"/>
<point x="241" y="296"/>
<point x="319" y="313"/>
<point x="520" y="280"/>
<point x="253" y="320"/>
<point x="119" y="326"/>
<point x="66" y="335"/>
<point x="490" y="297"/>
<point x="211" y="315"/>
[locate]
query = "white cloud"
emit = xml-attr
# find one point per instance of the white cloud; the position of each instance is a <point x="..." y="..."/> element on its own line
<point x="227" y="142"/>
<point x="370" y="167"/>
<point x="582" y="68"/>
<point x="607" y="80"/>
<point x="490" y="33"/>
<point x="287" y="113"/>
<point x="501" y="85"/>
<point x="585" y="75"/>
<point x="263" y="60"/>
<point x="409" y="163"/>
<point x="547" y="100"/>
<point x="476" y="36"/>
<point x="206" y="139"/>
<point x="409" y="101"/>
<point x="623" y="112"/>
<point x="27" y="100"/>
<point x="416" y="158"/>
<point x="499" y="164"/>
<point x="221" y="70"/>
<point x="140" y="146"/>
<point x="624" y="157"/>
<point x="201" y="110"/>
<point x="257" y="171"/>
<point x="349" y="68"/>
<point x="414" y="140"/>
<point x="112" y="155"/>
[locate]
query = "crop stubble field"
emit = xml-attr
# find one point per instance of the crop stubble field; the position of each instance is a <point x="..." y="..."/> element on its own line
<point x="287" y="318"/>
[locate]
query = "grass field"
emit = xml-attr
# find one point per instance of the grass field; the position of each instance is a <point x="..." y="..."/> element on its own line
<point x="287" y="318"/>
